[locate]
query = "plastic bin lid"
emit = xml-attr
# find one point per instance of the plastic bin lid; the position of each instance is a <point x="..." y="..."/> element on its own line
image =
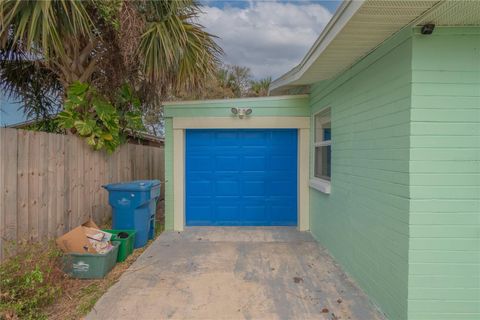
<point x="137" y="185"/>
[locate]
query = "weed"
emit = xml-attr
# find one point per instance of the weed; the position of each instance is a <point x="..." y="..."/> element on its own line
<point x="32" y="286"/>
<point x="29" y="281"/>
<point x="88" y="298"/>
<point x="159" y="228"/>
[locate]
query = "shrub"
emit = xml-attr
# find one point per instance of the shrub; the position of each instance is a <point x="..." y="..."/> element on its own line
<point x="29" y="281"/>
<point x="102" y="121"/>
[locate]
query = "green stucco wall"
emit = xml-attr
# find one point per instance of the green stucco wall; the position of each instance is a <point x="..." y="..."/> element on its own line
<point x="364" y="221"/>
<point x="282" y="106"/>
<point x="444" y="254"/>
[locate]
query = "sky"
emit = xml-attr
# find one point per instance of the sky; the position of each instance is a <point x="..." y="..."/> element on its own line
<point x="9" y="113"/>
<point x="270" y="37"/>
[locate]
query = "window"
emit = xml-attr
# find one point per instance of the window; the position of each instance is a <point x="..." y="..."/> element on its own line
<point x="323" y="151"/>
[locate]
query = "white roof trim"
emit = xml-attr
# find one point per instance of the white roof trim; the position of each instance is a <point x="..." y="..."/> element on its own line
<point x="360" y="26"/>
<point x="343" y="14"/>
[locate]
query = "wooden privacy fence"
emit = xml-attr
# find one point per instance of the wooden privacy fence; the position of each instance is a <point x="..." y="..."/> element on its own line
<point x="51" y="183"/>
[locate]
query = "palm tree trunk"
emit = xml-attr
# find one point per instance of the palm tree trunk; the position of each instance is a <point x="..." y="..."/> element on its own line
<point x="78" y="64"/>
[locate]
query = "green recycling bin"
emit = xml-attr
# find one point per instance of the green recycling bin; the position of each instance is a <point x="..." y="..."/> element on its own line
<point x="90" y="265"/>
<point x="126" y="239"/>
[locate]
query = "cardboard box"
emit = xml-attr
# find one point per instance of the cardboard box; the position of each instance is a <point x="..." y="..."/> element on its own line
<point x="76" y="240"/>
<point x="89" y="223"/>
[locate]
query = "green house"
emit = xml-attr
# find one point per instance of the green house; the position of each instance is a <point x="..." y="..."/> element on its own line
<point x="372" y="144"/>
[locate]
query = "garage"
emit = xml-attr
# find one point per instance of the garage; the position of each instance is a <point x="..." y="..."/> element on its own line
<point x="241" y="177"/>
<point x="237" y="162"/>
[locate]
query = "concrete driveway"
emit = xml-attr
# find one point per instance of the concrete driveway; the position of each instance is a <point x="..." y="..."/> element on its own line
<point x="235" y="273"/>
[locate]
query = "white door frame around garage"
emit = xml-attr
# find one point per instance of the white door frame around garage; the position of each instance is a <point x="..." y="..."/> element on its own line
<point x="182" y="123"/>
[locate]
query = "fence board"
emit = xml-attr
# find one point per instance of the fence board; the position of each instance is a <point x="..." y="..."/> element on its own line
<point x="67" y="183"/>
<point x="22" y="185"/>
<point x="43" y="186"/>
<point x="10" y="185"/>
<point x="51" y="183"/>
<point x="2" y="188"/>
<point x="59" y="184"/>
<point x="33" y="194"/>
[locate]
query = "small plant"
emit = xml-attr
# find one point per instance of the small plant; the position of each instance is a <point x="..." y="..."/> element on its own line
<point x="29" y="281"/>
<point x="101" y="122"/>
<point x="89" y="296"/>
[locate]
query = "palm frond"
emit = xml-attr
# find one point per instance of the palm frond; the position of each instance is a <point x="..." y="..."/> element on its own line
<point x="25" y="81"/>
<point x="40" y="26"/>
<point x="174" y="49"/>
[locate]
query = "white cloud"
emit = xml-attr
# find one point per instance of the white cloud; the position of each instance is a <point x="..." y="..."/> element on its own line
<point x="268" y="37"/>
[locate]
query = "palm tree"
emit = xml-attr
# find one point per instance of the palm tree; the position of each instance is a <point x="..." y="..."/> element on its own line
<point x="239" y="79"/>
<point x="259" y="88"/>
<point x="155" y="45"/>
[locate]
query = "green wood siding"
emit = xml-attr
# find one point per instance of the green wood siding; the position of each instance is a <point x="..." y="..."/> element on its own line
<point x="403" y="217"/>
<point x="364" y="221"/>
<point x="444" y="254"/>
<point x="281" y="106"/>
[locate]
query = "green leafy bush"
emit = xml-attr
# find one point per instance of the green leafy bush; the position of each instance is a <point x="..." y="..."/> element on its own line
<point x="99" y="120"/>
<point x="29" y="281"/>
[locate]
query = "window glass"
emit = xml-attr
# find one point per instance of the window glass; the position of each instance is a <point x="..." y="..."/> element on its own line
<point x="327" y="133"/>
<point x="323" y="167"/>
<point x="322" y="145"/>
<point x="322" y="125"/>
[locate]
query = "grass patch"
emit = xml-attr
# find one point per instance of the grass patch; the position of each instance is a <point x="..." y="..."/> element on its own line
<point x="88" y="297"/>
<point x="33" y="286"/>
<point x="30" y="280"/>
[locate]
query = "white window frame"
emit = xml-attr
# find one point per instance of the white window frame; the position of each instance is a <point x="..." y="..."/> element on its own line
<point x="318" y="183"/>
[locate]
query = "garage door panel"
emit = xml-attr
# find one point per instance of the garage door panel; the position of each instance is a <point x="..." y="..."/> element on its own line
<point x="225" y="138"/>
<point x="253" y="150"/>
<point x="254" y="163"/>
<point x="280" y="188"/>
<point x="254" y="138"/>
<point x="226" y="212"/>
<point x="255" y="214"/>
<point x="200" y="163"/>
<point x="254" y="176"/>
<point x="282" y="163"/>
<point x="201" y="188"/>
<point x="281" y="137"/>
<point x="224" y="150"/>
<point x="226" y="163"/>
<point x="202" y="214"/>
<point x="243" y="177"/>
<point x="254" y="200"/>
<point x="202" y="138"/>
<point x="226" y="201"/>
<point x="227" y="188"/>
<point x="254" y="188"/>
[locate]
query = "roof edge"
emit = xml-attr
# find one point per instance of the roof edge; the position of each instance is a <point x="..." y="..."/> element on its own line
<point x="343" y="14"/>
<point x="233" y="100"/>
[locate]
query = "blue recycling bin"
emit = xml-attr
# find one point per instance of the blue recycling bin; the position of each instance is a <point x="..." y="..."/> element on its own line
<point x="133" y="207"/>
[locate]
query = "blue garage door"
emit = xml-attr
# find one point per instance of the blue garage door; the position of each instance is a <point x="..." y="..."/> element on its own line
<point x="241" y="177"/>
